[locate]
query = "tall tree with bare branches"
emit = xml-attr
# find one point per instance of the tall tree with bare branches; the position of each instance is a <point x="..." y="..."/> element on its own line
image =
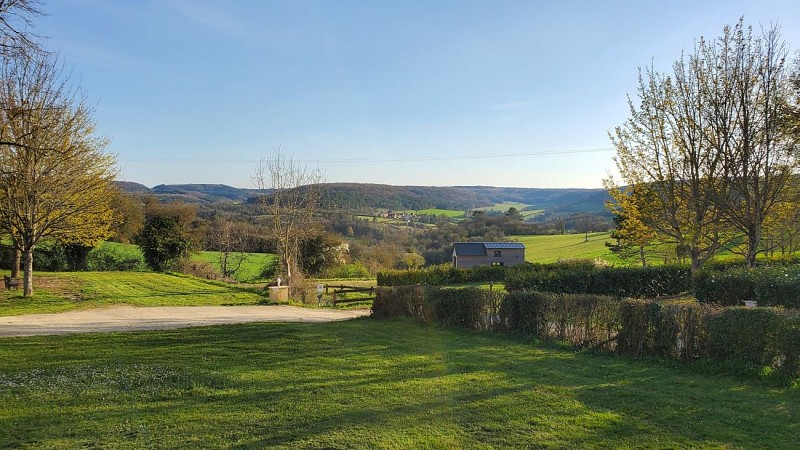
<point x="16" y="39"/>
<point x="290" y="196"/>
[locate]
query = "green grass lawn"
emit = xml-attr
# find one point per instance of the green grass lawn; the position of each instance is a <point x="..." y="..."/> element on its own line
<point x="550" y="248"/>
<point x="252" y="267"/>
<point x="367" y="384"/>
<point x="58" y="292"/>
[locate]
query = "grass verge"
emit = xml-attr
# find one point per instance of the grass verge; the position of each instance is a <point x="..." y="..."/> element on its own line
<point x="367" y="384"/>
<point x="65" y="291"/>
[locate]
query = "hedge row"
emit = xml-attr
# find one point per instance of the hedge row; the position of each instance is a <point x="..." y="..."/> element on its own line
<point x="471" y="308"/>
<point x="581" y="320"/>
<point x="588" y="279"/>
<point x="442" y="274"/>
<point x="757" y="337"/>
<point x="769" y="286"/>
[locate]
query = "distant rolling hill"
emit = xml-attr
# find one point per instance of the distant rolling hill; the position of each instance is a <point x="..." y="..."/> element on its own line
<point x="359" y="196"/>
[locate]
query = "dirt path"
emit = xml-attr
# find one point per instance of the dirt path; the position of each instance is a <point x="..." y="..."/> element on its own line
<point x="128" y="318"/>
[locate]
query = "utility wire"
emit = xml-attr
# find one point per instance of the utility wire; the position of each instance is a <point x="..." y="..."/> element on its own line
<point x="382" y="160"/>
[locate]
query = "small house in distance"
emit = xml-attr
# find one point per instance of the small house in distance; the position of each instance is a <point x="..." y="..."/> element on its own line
<point x="470" y="254"/>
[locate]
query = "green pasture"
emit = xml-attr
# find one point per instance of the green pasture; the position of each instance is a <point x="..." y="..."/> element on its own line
<point x="449" y="213"/>
<point x="252" y="268"/>
<point x="367" y="384"/>
<point x="551" y="248"/>
<point x="65" y="291"/>
<point x="504" y="207"/>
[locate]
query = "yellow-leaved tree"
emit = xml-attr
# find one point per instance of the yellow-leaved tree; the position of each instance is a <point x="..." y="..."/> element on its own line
<point x="55" y="178"/>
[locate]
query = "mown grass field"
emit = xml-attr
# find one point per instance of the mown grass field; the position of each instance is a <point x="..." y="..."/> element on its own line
<point x="65" y="291"/>
<point x="252" y="268"/>
<point x="504" y="207"/>
<point x="449" y="213"/>
<point x="551" y="248"/>
<point x="367" y="384"/>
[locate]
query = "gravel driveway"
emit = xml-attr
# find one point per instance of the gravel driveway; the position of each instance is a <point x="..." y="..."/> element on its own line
<point x="128" y="318"/>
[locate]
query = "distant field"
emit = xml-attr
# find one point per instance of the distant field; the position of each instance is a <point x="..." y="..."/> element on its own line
<point x="503" y="207"/>
<point x="450" y="214"/>
<point x="252" y="267"/>
<point x="546" y="249"/>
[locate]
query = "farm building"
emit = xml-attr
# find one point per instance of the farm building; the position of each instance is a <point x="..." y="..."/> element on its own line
<point x="470" y="254"/>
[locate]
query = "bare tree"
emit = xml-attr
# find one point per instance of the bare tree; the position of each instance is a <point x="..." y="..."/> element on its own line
<point x="55" y="178"/>
<point x="289" y="196"/>
<point x="16" y="40"/>
<point x="231" y="239"/>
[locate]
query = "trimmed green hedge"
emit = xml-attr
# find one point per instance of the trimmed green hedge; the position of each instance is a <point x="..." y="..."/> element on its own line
<point x="579" y="319"/>
<point x="588" y="279"/>
<point x="766" y="340"/>
<point x="440" y="275"/>
<point x="768" y="285"/>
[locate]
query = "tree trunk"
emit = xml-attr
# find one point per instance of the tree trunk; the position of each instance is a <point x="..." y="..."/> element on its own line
<point x="28" y="280"/>
<point x="16" y="262"/>
<point x="642" y="256"/>
<point x="753" y="240"/>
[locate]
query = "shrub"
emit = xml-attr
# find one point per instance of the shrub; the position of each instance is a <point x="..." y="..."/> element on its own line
<point x="471" y="308"/>
<point x="199" y="269"/>
<point x="777" y="286"/>
<point x="581" y="320"/>
<point x="768" y="285"/>
<point x="401" y="301"/>
<point x="584" y="278"/>
<point x="442" y="274"/>
<point x="675" y="331"/>
<point x="744" y="334"/>
<point x="724" y="287"/>
<point x="115" y="258"/>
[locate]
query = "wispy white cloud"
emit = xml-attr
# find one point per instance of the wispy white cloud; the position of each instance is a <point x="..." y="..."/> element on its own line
<point x="215" y="19"/>
<point x="513" y="105"/>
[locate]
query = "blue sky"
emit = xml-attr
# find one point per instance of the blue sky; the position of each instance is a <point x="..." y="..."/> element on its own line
<point x="415" y="92"/>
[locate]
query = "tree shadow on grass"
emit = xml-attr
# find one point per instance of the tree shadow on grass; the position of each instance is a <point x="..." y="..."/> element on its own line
<point x="367" y="383"/>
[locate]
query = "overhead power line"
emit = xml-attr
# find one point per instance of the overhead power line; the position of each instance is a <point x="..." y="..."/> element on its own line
<point x="381" y="160"/>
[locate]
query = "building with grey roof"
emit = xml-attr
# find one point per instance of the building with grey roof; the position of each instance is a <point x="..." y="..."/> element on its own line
<point x="470" y="254"/>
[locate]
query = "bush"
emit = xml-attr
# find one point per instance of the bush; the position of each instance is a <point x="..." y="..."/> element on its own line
<point x="768" y="285"/>
<point x="442" y="274"/>
<point x="471" y="308"/>
<point x="675" y="331"/>
<point x="724" y="287"/>
<point x="586" y="278"/>
<point x="744" y="334"/>
<point x="581" y="320"/>
<point x="109" y="257"/>
<point x="401" y="301"/>
<point x="199" y="269"/>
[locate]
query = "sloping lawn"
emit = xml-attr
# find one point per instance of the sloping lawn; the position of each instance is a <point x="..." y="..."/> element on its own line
<point x="551" y="248"/>
<point x="367" y="384"/>
<point x="64" y="291"/>
<point x="252" y="268"/>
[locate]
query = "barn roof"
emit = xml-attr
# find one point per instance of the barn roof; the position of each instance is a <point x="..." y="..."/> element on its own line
<point x="469" y="249"/>
<point x="503" y="245"/>
<point x="480" y="248"/>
